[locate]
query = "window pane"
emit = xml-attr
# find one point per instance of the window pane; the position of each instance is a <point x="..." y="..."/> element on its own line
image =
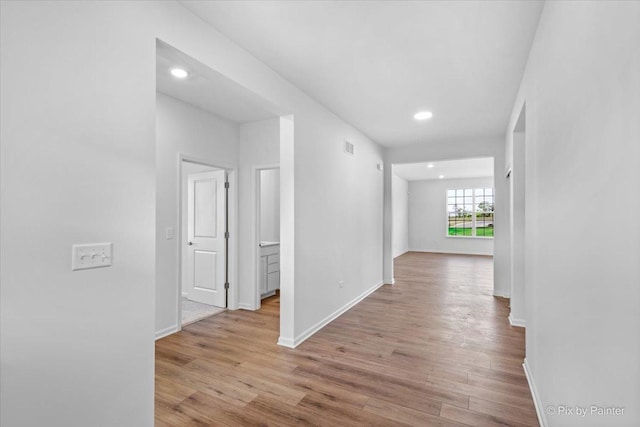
<point x="484" y="212"/>
<point x="463" y="205"/>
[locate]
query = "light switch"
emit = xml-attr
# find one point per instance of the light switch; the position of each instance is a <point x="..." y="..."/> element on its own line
<point x="92" y="255"/>
<point x="168" y="233"/>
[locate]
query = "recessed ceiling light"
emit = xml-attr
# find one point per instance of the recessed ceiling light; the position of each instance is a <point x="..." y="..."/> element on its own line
<point x="430" y="165"/>
<point x="423" y="115"/>
<point x="441" y="176"/>
<point x="179" y="73"/>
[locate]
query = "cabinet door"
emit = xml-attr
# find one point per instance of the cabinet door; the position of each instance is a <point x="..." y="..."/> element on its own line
<point x="273" y="281"/>
<point x="263" y="275"/>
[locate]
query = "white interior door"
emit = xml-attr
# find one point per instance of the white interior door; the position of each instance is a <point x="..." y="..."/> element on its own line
<point x="206" y="238"/>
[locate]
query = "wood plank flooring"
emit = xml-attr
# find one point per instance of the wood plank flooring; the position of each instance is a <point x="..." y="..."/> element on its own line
<point x="435" y="349"/>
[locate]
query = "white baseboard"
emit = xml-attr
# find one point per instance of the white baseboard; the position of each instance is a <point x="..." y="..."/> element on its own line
<point x="501" y="294"/>
<point x="185" y="294"/>
<point x="267" y="295"/>
<point x="534" y="393"/>
<point x="166" y="331"/>
<point x="245" y="306"/>
<point x="287" y="342"/>
<point x="517" y="322"/>
<point x="390" y="282"/>
<point x="400" y="254"/>
<point x="446" y="251"/>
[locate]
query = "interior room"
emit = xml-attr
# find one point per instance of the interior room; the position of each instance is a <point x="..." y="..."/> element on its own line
<point x="271" y="161"/>
<point x="444" y="207"/>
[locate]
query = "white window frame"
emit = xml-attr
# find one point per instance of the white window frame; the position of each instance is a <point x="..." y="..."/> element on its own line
<point x="473" y="212"/>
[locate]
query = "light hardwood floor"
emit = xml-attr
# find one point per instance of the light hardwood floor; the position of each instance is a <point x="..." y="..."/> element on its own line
<point x="434" y="349"/>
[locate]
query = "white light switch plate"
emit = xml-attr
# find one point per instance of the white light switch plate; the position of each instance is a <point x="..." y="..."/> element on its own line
<point x="92" y="255"/>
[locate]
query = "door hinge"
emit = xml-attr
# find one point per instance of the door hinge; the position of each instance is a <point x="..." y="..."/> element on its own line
<point x="226" y="285"/>
<point x="226" y="234"/>
<point x="226" y="184"/>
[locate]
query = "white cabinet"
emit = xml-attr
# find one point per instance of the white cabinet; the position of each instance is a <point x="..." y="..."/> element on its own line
<point x="262" y="277"/>
<point x="269" y="268"/>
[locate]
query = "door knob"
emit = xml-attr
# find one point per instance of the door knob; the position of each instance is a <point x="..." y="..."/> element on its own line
<point x="190" y="243"/>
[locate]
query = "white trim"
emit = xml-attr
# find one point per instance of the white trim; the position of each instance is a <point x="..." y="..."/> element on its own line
<point x="474" y="213"/>
<point x="390" y="282"/>
<point x="469" y="237"/>
<point x="245" y="306"/>
<point x="167" y="331"/>
<point x="534" y="393"/>
<point x="396" y="256"/>
<point x="520" y="323"/>
<point x="501" y="294"/>
<point x="446" y="251"/>
<point x="287" y="342"/>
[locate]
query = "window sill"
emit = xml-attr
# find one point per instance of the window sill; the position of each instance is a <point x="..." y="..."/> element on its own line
<point x="470" y="237"/>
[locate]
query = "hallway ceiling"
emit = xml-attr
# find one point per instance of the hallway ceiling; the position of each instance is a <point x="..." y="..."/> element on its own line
<point x="376" y="64"/>
<point x="208" y="89"/>
<point x="450" y="169"/>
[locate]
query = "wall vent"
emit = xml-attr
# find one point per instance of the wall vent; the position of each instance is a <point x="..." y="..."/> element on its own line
<point x="348" y="147"/>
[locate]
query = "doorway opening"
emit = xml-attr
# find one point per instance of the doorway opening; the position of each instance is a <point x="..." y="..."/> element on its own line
<point x="444" y="207"/>
<point x="203" y="246"/>
<point x="209" y="120"/>
<point x="267" y="239"/>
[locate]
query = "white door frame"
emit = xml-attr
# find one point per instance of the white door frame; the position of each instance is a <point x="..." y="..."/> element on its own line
<point x="232" y="295"/>
<point x="255" y="180"/>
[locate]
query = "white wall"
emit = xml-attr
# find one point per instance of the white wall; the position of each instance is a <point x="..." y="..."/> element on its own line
<point x="338" y="211"/>
<point x="451" y="150"/>
<point x="270" y="205"/>
<point x="259" y="146"/>
<point x="582" y="92"/>
<point x="78" y="165"/>
<point x="428" y="218"/>
<point x="181" y="129"/>
<point x="287" y="233"/>
<point x="400" y="196"/>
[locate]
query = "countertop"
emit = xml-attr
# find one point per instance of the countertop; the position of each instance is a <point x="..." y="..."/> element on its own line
<point x="267" y="244"/>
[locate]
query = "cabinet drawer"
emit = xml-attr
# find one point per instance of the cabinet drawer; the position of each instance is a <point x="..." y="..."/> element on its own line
<point x="272" y="259"/>
<point x="272" y="268"/>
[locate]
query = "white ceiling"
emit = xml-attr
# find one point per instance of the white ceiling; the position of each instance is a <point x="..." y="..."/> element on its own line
<point x="208" y="89"/>
<point x="376" y="63"/>
<point x="451" y="169"/>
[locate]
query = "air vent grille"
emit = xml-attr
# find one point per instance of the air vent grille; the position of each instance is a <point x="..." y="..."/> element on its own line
<point x="348" y="147"/>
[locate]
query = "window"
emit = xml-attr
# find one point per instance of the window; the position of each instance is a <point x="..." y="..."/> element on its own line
<point x="470" y="212"/>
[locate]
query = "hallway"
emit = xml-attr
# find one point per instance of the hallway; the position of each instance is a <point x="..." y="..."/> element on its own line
<point x="434" y="349"/>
